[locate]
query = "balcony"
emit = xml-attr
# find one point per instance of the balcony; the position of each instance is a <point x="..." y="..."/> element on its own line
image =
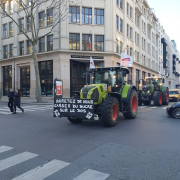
<point x="138" y="9"/>
<point x="149" y="23"/>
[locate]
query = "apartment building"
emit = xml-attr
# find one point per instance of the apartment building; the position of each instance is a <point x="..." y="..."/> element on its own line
<point x="114" y="26"/>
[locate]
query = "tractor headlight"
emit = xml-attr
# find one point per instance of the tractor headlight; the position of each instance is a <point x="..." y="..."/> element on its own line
<point x="148" y="92"/>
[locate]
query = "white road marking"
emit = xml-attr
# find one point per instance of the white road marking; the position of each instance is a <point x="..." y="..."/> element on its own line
<point x="153" y="107"/>
<point x="92" y="175"/>
<point x="14" y="160"/>
<point x="164" y="108"/>
<point x="44" y="171"/>
<point x="7" y="113"/>
<point x="5" y="148"/>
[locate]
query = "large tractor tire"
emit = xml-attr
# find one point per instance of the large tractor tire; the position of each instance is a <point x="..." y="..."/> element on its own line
<point x="74" y="120"/>
<point x="131" y="106"/>
<point x="110" y="111"/>
<point x="166" y="97"/>
<point x="147" y="103"/>
<point x="157" y="98"/>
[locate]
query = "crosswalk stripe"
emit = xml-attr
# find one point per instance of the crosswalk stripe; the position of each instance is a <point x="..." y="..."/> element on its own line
<point x="14" y="160"/>
<point x="7" y="113"/>
<point x="164" y="108"/>
<point x="153" y="107"/>
<point x="5" y="148"/>
<point x="91" y="174"/>
<point x="44" y="171"/>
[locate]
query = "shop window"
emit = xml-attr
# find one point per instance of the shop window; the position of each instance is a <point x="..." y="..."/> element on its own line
<point x="46" y="77"/>
<point x="7" y="79"/>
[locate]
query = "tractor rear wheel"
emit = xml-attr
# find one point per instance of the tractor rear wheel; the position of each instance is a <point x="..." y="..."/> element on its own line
<point x="74" y="120"/>
<point x="157" y="98"/>
<point x="131" y="106"/>
<point x="166" y="97"/>
<point x="110" y="111"/>
<point x="147" y="103"/>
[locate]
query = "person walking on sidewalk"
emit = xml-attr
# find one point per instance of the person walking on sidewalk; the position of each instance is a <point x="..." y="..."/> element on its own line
<point x="11" y="100"/>
<point x="17" y="101"/>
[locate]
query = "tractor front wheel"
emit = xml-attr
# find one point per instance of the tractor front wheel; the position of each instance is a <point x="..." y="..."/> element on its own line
<point x="74" y="120"/>
<point x="131" y="106"/>
<point x="110" y="111"/>
<point x="157" y="98"/>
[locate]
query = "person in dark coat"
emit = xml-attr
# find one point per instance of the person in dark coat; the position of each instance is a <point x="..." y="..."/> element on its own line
<point x="11" y="100"/>
<point x="17" y="101"/>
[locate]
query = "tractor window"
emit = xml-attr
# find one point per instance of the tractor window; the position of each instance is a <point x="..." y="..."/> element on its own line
<point x="105" y="76"/>
<point x="120" y="79"/>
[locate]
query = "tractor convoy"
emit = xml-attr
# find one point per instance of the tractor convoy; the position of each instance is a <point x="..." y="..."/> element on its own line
<point x="107" y="94"/>
<point x="153" y="90"/>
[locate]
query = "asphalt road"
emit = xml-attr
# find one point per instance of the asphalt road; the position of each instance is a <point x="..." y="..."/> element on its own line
<point x="145" y="148"/>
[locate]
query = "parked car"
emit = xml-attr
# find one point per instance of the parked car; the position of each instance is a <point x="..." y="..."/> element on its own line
<point x="174" y="95"/>
<point x="173" y="110"/>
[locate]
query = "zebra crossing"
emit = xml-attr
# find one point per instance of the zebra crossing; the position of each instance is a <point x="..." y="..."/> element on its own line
<point x="42" y="171"/>
<point x="151" y="107"/>
<point x="33" y="108"/>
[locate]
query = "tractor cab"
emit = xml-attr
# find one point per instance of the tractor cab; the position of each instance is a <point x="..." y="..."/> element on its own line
<point x="113" y="77"/>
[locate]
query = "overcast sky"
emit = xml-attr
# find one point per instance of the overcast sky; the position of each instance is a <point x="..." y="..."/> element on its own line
<point x="168" y="12"/>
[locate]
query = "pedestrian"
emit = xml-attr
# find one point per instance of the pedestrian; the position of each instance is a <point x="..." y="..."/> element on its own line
<point x="17" y="101"/>
<point x="11" y="100"/>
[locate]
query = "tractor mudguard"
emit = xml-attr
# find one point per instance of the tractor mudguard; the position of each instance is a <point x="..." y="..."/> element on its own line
<point x="126" y="93"/>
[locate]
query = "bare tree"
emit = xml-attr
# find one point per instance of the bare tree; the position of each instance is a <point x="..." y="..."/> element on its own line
<point x="58" y="10"/>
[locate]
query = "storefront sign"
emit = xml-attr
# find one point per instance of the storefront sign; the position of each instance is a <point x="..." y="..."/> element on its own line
<point x="87" y="57"/>
<point x="58" y="88"/>
<point x="77" y="108"/>
<point x="126" y="61"/>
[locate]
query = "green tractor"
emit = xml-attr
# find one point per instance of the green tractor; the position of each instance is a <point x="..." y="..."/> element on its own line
<point x="110" y="95"/>
<point x="153" y="90"/>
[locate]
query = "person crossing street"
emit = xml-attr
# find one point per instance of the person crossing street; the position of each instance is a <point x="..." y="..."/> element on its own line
<point x="17" y="101"/>
<point x="11" y="100"/>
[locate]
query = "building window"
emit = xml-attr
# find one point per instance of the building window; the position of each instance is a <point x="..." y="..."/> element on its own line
<point x="117" y="22"/>
<point x="85" y="42"/>
<point x="28" y="47"/>
<point x="7" y="79"/>
<point x="25" y="81"/>
<point x="11" y="50"/>
<point x="11" y="29"/>
<point x="46" y="77"/>
<point x="21" y="48"/>
<point x="99" y="43"/>
<point x="143" y="77"/>
<point x="121" y="47"/>
<point x="21" y="24"/>
<point x="99" y="16"/>
<point x="131" y="12"/>
<point x="42" y="44"/>
<point x="117" y="46"/>
<point x="138" y="39"/>
<point x="131" y="52"/>
<point x="5" y="31"/>
<point x="41" y="19"/>
<point x="5" y="9"/>
<point x="121" y="4"/>
<point x="137" y="20"/>
<point x="137" y="56"/>
<point x="127" y="30"/>
<point x="127" y="50"/>
<point x="10" y="7"/>
<point x="74" y="14"/>
<point x="127" y="9"/>
<point x="74" y="42"/>
<point x="121" y="25"/>
<point x="131" y="33"/>
<point x="50" y="43"/>
<point x="144" y="44"/>
<point x="28" y="20"/>
<point x="5" y="52"/>
<point x="87" y="15"/>
<point x="117" y="2"/>
<point x="50" y="17"/>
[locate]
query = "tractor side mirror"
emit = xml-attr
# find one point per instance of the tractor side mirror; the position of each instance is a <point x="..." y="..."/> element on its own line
<point x="163" y="80"/>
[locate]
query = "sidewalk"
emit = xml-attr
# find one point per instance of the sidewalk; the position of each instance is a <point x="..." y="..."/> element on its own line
<point x="25" y="100"/>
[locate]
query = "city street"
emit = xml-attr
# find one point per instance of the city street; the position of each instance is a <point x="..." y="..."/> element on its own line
<point x="145" y="148"/>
